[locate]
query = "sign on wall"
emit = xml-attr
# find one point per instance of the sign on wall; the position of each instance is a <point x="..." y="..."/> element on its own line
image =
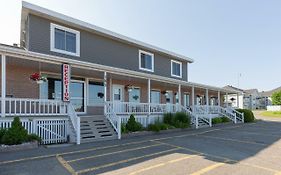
<point x="65" y="82"/>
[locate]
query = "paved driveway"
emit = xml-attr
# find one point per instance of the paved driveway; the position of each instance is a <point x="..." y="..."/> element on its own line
<point x="232" y="149"/>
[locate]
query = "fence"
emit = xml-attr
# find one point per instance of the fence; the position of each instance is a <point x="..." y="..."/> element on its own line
<point x="274" y="108"/>
<point x="49" y="130"/>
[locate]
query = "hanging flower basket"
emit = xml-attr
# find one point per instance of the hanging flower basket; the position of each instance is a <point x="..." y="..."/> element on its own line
<point x="38" y="78"/>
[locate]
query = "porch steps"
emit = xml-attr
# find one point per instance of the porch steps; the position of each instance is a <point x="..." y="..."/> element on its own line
<point x="96" y="128"/>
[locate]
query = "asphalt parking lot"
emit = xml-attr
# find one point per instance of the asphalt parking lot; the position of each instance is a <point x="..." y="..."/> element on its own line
<point x="231" y="149"/>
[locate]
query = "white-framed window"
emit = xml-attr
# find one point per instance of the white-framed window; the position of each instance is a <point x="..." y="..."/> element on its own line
<point x="134" y="95"/>
<point x="146" y="61"/>
<point x="176" y="69"/>
<point x="64" y="40"/>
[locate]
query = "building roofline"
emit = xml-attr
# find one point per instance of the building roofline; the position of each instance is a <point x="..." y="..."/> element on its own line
<point x="32" y="8"/>
<point x="25" y="54"/>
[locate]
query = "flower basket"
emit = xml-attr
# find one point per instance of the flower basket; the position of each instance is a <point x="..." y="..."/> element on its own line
<point x="38" y="78"/>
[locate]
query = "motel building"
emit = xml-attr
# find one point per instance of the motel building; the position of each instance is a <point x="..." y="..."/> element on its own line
<point x="71" y="81"/>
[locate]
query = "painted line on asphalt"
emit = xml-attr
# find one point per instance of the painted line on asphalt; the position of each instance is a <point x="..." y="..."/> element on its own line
<point x="235" y="140"/>
<point x="111" y="146"/>
<point x="222" y="158"/>
<point x="255" y="133"/>
<point x="66" y="165"/>
<point x="209" y="168"/>
<point x="163" y="164"/>
<point x="110" y="153"/>
<point x="124" y="161"/>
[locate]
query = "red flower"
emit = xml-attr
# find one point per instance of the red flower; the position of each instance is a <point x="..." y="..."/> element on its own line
<point x="35" y="77"/>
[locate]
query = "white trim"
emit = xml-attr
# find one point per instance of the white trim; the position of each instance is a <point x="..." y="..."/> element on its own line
<point x="52" y="39"/>
<point x="152" y="61"/>
<point x="3" y="85"/>
<point x="122" y="96"/>
<point x="34" y="9"/>
<point x="177" y="62"/>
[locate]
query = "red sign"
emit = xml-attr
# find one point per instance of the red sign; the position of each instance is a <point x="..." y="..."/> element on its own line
<point x="65" y="82"/>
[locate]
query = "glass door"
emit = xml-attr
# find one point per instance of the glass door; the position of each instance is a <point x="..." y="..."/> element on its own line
<point x="77" y="95"/>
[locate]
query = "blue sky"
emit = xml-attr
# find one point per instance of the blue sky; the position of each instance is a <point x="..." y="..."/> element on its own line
<point x="225" y="37"/>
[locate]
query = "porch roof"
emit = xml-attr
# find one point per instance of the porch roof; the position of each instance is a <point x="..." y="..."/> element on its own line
<point x="25" y="54"/>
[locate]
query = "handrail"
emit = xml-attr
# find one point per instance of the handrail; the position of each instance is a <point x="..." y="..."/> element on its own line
<point x="75" y="121"/>
<point x="114" y="120"/>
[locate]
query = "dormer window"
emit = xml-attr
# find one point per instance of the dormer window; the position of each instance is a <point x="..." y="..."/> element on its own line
<point x="65" y="40"/>
<point x="146" y="61"/>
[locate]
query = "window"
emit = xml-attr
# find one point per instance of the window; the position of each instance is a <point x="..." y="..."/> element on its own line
<point x="65" y="40"/>
<point x="155" y="96"/>
<point x="176" y="69"/>
<point x="134" y="95"/>
<point x="96" y="93"/>
<point x="146" y="61"/>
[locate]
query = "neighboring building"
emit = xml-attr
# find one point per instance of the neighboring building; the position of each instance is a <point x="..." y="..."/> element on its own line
<point x="266" y="96"/>
<point x="66" y="70"/>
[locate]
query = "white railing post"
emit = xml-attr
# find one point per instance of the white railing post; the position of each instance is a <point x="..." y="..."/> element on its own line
<point x="3" y="86"/>
<point x="78" y="131"/>
<point x="196" y="122"/>
<point x="210" y="120"/>
<point x="207" y="101"/>
<point x="235" y="118"/>
<point x="119" y="127"/>
<point x="148" y="100"/>
<point x="105" y="90"/>
<point x="192" y="97"/>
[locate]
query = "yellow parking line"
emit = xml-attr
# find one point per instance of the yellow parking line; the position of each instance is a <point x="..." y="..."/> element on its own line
<point x="209" y="168"/>
<point x="124" y="161"/>
<point x="110" y="153"/>
<point x="162" y="164"/>
<point x="66" y="165"/>
<point x="221" y="157"/>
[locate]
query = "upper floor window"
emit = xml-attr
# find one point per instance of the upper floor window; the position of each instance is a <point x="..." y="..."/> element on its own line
<point x="146" y="61"/>
<point x="65" y="40"/>
<point x="176" y="69"/>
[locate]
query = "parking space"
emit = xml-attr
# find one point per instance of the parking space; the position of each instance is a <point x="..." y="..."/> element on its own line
<point x="233" y="149"/>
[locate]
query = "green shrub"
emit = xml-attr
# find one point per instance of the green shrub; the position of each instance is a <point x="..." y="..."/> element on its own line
<point x="2" y="133"/>
<point x="132" y="125"/>
<point x="33" y="137"/>
<point x="248" y="115"/>
<point x="276" y="98"/>
<point x="225" y="119"/>
<point x="157" y="126"/>
<point x="168" y="118"/>
<point x="16" y="134"/>
<point x="123" y="128"/>
<point x="216" y="120"/>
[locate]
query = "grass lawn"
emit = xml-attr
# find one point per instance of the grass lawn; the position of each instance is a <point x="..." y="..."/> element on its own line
<point x="271" y="114"/>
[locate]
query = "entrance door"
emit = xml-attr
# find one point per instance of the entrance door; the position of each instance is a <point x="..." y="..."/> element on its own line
<point x="169" y="100"/>
<point x="186" y="100"/>
<point x="118" y="95"/>
<point x="77" y="95"/>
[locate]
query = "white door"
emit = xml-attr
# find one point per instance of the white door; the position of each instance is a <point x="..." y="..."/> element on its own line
<point x="118" y="97"/>
<point x="186" y="100"/>
<point x="169" y="100"/>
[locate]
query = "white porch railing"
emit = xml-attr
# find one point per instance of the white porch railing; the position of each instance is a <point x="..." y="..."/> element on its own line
<point x="75" y="122"/>
<point x="113" y="118"/>
<point x="26" y="106"/>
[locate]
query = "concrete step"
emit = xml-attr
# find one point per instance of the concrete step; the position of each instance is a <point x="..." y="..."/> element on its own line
<point x="96" y="128"/>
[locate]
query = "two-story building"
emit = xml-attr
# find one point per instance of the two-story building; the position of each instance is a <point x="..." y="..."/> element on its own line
<point x="72" y="78"/>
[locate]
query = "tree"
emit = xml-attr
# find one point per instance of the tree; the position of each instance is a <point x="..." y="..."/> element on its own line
<point x="276" y="98"/>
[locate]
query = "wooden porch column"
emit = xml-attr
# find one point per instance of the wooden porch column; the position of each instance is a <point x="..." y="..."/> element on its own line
<point x="110" y="90"/>
<point x="237" y="100"/>
<point x="192" y="96"/>
<point x="226" y="99"/>
<point x="3" y="86"/>
<point x="207" y="100"/>
<point x="148" y="95"/>
<point x="105" y="89"/>
<point x="179" y="94"/>
<point x="219" y="98"/>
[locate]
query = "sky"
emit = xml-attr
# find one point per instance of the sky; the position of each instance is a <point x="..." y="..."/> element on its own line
<point x="233" y="42"/>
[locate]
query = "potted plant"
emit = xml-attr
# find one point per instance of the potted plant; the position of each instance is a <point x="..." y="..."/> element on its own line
<point x="39" y="78"/>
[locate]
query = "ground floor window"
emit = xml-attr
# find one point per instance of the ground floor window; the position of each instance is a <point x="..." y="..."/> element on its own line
<point x="155" y="96"/>
<point x="95" y="93"/>
<point x="52" y="90"/>
<point x="186" y="100"/>
<point x="134" y="95"/>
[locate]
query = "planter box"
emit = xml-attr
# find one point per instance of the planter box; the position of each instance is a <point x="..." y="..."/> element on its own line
<point x="23" y="146"/>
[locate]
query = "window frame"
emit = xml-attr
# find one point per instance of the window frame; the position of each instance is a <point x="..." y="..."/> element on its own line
<point x="177" y="62"/>
<point x="152" y="61"/>
<point x="52" y="39"/>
